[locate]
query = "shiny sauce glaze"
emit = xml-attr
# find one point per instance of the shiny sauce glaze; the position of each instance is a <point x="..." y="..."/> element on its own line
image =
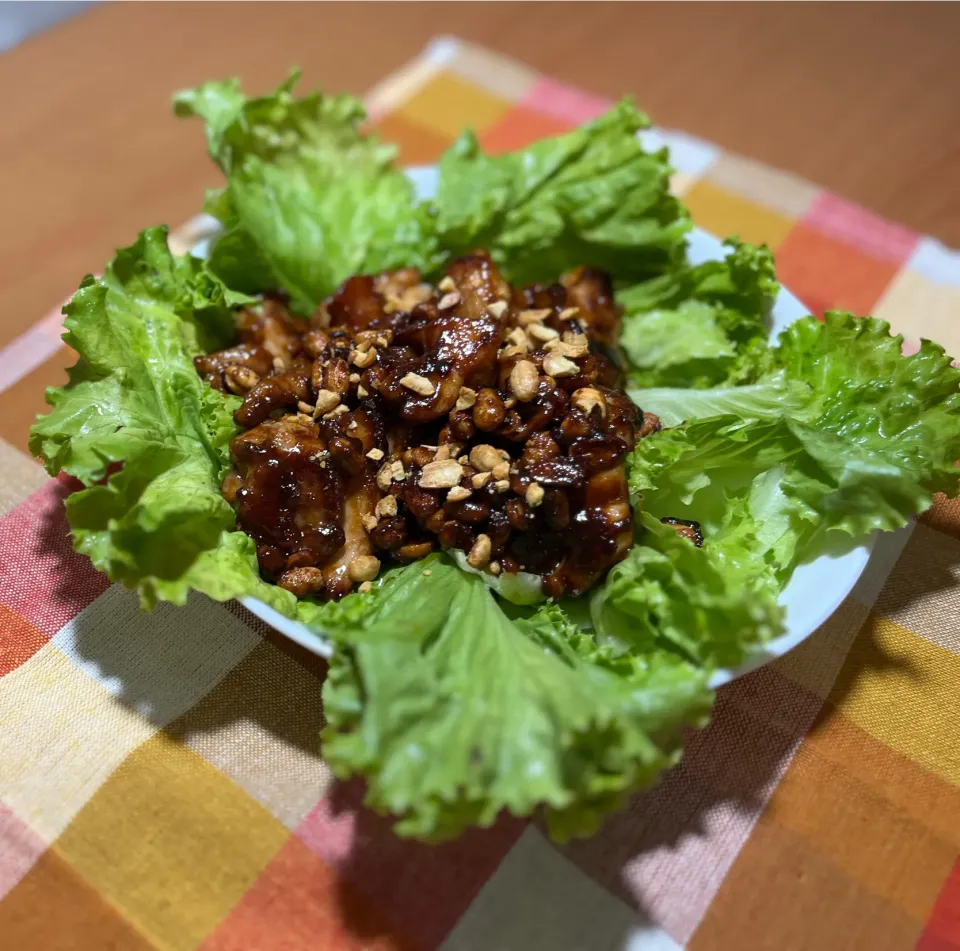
<point x="405" y="417"/>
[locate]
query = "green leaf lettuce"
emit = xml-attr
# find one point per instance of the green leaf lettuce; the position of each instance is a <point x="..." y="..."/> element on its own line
<point x="696" y="326"/>
<point x="592" y="197"/>
<point x="458" y="712"/>
<point x="147" y="437"/>
<point x="845" y="434"/>
<point x="310" y="200"/>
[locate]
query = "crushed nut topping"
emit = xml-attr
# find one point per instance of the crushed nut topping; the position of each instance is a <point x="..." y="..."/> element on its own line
<point x="587" y="399"/>
<point x="419" y="384"/>
<point x="405" y="418"/>
<point x="240" y="379"/>
<point x="555" y="364"/>
<point x="363" y="568"/>
<point x="387" y="506"/>
<point x="484" y="457"/>
<point x="466" y="398"/>
<point x="363" y="358"/>
<point x="534" y="495"/>
<point x="524" y="380"/>
<point x="527" y="317"/>
<point x="444" y="474"/>
<point x="480" y="552"/>
<point x="542" y="334"/>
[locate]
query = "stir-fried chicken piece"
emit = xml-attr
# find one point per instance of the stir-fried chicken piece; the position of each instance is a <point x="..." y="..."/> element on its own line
<point x="407" y="417"/>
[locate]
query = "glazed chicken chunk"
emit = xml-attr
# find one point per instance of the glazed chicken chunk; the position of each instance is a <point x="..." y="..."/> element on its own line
<point x="405" y="417"/>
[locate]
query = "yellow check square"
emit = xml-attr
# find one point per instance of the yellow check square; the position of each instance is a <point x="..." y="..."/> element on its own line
<point x="447" y="103"/>
<point x="171" y="842"/>
<point x="725" y="214"/>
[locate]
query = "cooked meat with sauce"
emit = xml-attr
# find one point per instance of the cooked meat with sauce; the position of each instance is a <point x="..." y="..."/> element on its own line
<point x="691" y="531"/>
<point x="405" y="417"/>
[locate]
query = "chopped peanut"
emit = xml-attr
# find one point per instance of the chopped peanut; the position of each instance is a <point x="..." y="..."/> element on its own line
<point x="518" y="338"/>
<point x="534" y="495"/>
<point x="542" y="334"/>
<point x="363" y="359"/>
<point x="363" y="568"/>
<point x="587" y="399"/>
<point x="419" y="384"/>
<point x="484" y="457"/>
<point x="528" y="317"/>
<point x="240" y="380"/>
<point x="524" y="380"/>
<point x="441" y="475"/>
<point x="556" y="365"/>
<point x="466" y="398"/>
<point x="387" y="506"/>
<point x="385" y="476"/>
<point x="480" y="553"/>
<point x="326" y="400"/>
<point x="574" y="345"/>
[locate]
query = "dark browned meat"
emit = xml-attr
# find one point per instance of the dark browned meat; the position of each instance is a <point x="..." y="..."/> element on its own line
<point x="686" y="529"/>
<point x="407" y="416"/>
<point x="591" y="292"/>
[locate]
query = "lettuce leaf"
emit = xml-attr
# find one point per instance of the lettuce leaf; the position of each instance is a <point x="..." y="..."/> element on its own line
<point x="697" y="326"/>
<point x="592" y="197"/>
<point x="861" y="440"/>
<point x="147" y="437"/>
<point x="309" y="200"/>
<point x="776" y="395"/>
<point x="902" y="410"/>
<point x="135" y="403"/>
<point x="711" y="605"/>
<point x="454" y="712"/>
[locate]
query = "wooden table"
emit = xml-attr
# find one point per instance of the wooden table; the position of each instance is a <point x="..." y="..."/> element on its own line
<point x="860" y="98"/>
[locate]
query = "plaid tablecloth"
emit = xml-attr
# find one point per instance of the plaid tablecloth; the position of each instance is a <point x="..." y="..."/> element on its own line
<point x="161" y="782"/>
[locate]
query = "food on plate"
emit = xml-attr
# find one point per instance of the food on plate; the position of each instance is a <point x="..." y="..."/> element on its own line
<point x="406" y="417"/>
<point x="416" y="427"/>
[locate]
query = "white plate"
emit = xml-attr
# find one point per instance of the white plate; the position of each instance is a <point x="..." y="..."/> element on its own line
<point x="816" y="588"/>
